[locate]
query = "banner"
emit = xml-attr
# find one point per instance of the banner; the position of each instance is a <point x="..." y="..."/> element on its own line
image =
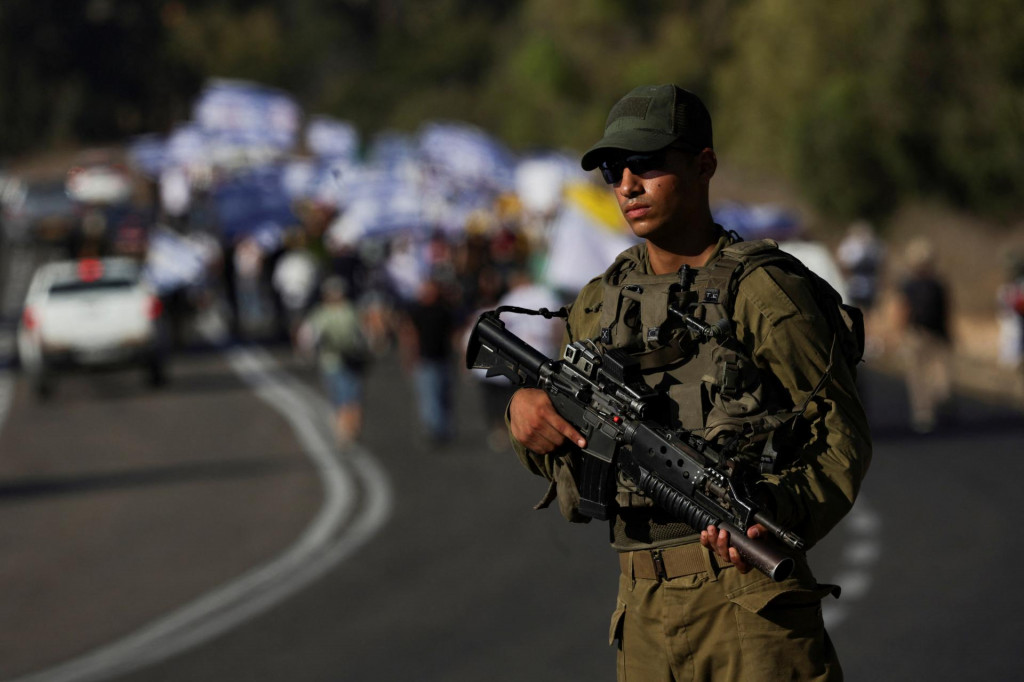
<point x="149" y="154"/>
<point x="540" y="179"/>
<point x="586" y="236"/>
<point x="172" y="261"/>
<point x="330" y="138"/>
<point x="757" y="221"/>
<point x="248" y="114"/>
<point x="468" y="155"/>
<point x="251" y="201"/>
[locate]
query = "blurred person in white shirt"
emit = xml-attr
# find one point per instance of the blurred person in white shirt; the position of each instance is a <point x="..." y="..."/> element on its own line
<point x="542" y="333"/>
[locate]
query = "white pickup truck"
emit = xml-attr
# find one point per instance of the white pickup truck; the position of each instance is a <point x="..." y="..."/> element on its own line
<point x="90" y="313"/>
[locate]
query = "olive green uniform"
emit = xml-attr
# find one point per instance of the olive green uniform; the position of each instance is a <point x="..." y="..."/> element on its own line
<point x="702" y="620"/>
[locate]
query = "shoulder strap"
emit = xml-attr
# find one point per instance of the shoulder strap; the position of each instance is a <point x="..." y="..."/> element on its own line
<point x="847" y="321"/>
<point x="716" y="283"/>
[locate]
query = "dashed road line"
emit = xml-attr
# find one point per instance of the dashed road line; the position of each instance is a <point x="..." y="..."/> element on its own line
<point x="860" y="554"/>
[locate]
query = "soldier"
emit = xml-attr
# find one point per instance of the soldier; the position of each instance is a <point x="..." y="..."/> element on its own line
<point x="689" y="608"/>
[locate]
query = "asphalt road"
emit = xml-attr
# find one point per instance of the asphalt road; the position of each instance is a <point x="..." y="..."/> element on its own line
<point x="198" y="533"/>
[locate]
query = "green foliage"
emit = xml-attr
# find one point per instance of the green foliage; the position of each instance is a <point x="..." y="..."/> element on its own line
<point x="861" y="103"/>
<point x="865" y="104"/>
<point x="91" y="70"/>
<point x="248" y="45"/>
<point x="843" y="167"/>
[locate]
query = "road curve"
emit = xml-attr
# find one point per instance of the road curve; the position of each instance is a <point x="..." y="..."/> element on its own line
<point x="357" y="503"/>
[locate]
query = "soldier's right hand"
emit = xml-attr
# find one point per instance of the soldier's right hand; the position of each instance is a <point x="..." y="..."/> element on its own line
<point x="535" y="423"/>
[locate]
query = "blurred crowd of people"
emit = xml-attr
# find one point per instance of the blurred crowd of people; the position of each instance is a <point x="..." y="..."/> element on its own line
<point x="347" y="303"/>
<point x="351" y="305"/>
<point x="344" y="305"/>
<point x="259" y="222"/>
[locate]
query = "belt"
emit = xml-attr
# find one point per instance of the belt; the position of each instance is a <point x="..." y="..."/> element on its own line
<point x="670" y="562"/>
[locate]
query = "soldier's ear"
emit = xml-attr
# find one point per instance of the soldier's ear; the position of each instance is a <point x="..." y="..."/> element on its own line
<point x="707" y="163"/>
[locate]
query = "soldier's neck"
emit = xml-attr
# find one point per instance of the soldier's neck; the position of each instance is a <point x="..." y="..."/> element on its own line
<point x="665" y="260"/>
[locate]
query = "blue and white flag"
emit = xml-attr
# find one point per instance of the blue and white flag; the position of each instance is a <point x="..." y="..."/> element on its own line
<point x="251" y="201"/>
<point x="317" y="180"/>
<point x="392" y="150"/>
<point x="247" y="113"/>
<point x="187" y="146"/>
<point x="330" y="138"/>
<point x="756" y="221"/>
<point x="149" y="154"/>
<point x="385" y="205"/>
<point x="468" y="155"/>
<point x="173" y="261"/>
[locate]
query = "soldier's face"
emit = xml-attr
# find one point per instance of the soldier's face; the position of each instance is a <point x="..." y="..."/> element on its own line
<point x="663" y="201"/>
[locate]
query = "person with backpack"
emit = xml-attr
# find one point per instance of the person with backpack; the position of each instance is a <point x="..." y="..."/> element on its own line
<point x="774" y="381"/>
<point x="334" y="332"/>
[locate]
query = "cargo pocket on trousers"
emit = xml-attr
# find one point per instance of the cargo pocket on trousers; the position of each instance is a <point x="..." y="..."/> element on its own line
<point x="796" y="610"/>
<point x="615" y="629"/>
<point x="784" y="631"/>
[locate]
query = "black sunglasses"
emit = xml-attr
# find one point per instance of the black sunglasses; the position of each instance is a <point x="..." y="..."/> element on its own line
<point x="638" y="164"/>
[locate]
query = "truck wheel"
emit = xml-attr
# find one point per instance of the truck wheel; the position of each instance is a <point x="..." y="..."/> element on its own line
<point x="44" y="385"/>
<point x="156" y="373"/>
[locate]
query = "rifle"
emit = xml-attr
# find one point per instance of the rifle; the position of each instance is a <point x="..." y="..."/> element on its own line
<point x="604" y="397"/>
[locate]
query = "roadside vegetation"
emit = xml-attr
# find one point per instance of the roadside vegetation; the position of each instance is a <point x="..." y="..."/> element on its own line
<point x="865" y="106"/>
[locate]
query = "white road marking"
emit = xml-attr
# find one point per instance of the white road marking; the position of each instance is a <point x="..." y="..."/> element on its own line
<point x="316" y="552"/>
<point x="344" y="523"/>
<point x="860" y="554"/>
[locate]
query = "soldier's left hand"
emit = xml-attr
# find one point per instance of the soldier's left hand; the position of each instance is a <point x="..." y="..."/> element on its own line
<point x="718" y="542"/>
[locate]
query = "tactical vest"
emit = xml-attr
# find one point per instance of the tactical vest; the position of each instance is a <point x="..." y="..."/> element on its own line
<point x="679" y="326"/>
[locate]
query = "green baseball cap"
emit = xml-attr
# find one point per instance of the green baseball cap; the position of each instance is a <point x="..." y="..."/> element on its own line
<point x="651" y="117"/>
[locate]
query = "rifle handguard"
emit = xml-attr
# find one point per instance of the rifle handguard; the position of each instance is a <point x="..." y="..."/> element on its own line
<point x="764" y="553"/>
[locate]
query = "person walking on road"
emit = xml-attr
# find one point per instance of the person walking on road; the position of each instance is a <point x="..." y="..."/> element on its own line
<point x="923" y="315"/>
<point x="861" y="255"/>
<point x="689" y="607"/>
<point x="333" y="331"/>
<point x="426" y="336"/>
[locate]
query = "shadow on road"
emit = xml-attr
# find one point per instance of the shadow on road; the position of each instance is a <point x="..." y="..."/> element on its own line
<point x="34" y="487"/>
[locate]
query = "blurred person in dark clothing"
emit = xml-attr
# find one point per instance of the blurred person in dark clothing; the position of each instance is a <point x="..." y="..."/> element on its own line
<point x="509" y="249"/>
<point x="472" y="254"/>
<point x="345" y="261"/>
<point x="427" y="336"/>
<point x="923" y="316"/>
